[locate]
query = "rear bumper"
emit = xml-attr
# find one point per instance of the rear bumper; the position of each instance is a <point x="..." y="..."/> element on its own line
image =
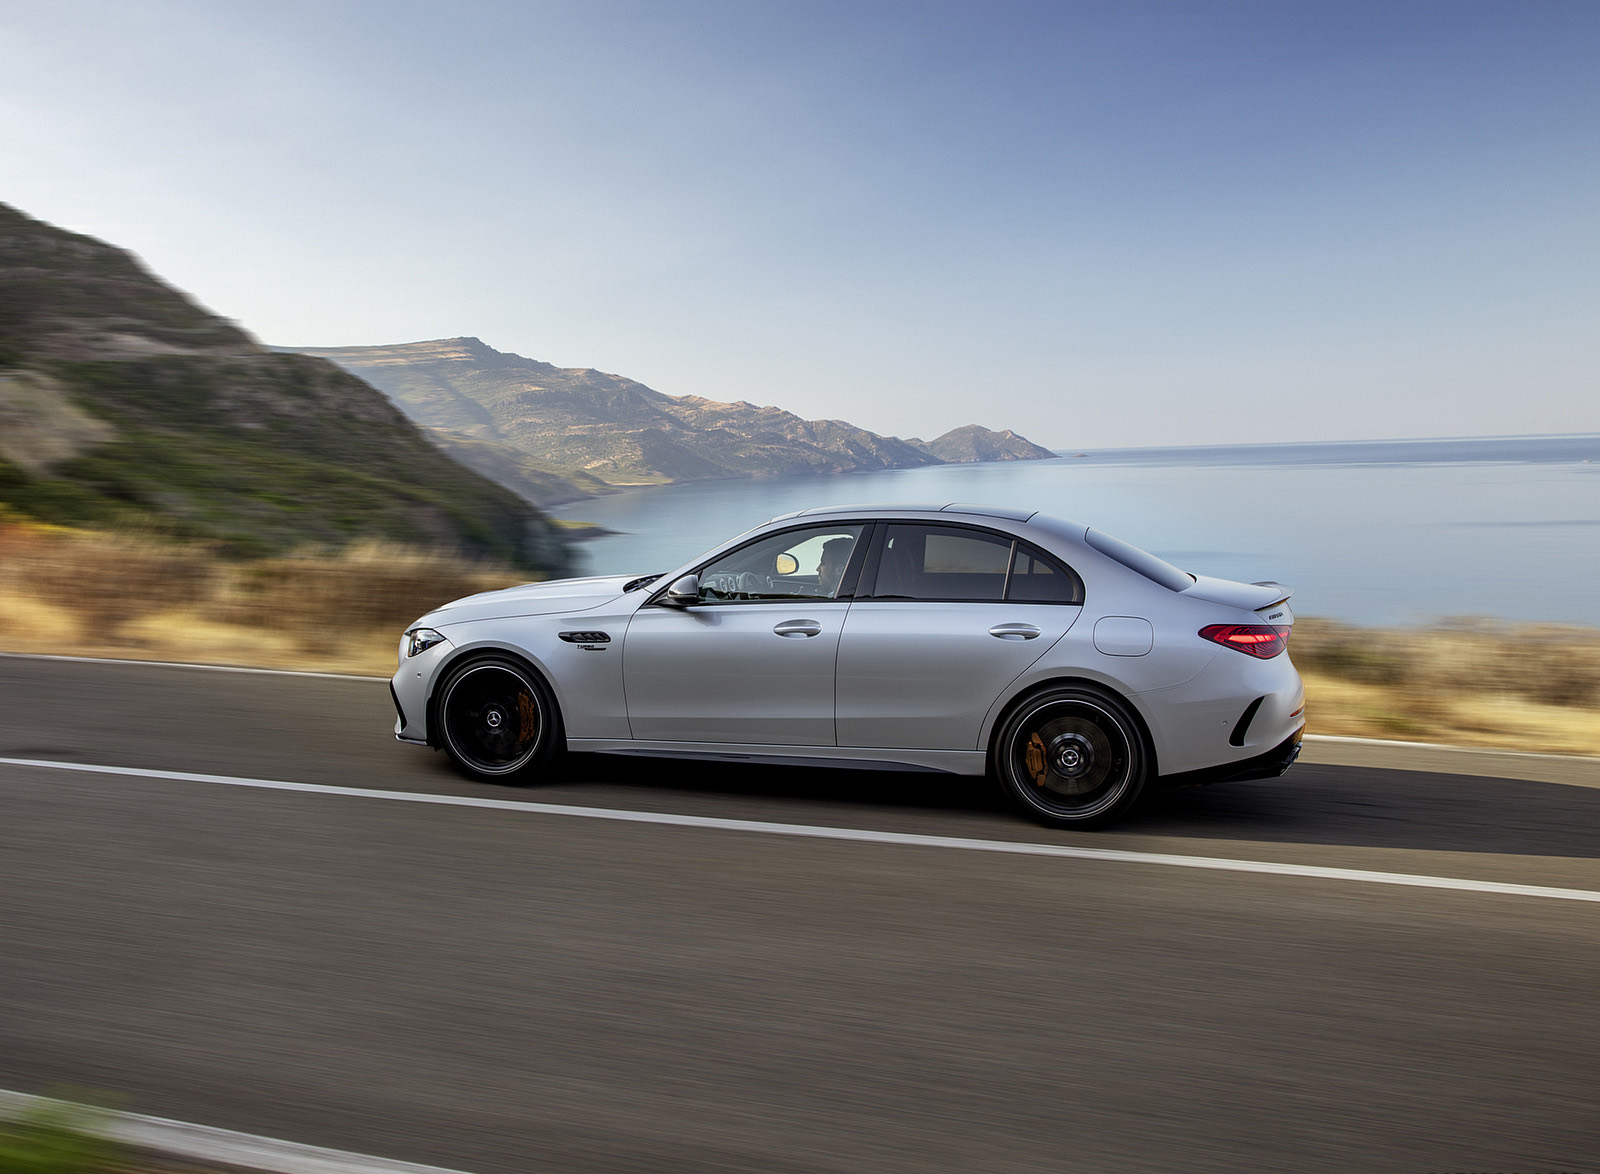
<point x="1200" y="724"/>
<point x="1263" y="766"/>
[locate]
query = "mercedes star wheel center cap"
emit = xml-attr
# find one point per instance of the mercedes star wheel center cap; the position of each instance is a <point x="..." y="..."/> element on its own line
<point x="1072" y="756"/>
<point x="493" y="719"/>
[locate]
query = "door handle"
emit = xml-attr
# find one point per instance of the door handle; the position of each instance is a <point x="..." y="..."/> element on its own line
<point x="797" y="628"/>
<point x="1014" y="631"/>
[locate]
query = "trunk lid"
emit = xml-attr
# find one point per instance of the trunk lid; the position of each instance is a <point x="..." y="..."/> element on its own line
<point x="1266" y="599"/>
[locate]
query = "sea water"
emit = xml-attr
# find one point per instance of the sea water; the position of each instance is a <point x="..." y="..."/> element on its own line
<point x="1378" y="533"/>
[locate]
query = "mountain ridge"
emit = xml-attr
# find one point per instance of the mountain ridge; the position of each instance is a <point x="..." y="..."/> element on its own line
<point x="622" y="432"/>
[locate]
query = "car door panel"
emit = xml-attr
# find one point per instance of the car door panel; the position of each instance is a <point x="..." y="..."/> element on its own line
<point x="757" y="673"/>
<point x="922" y="674"/>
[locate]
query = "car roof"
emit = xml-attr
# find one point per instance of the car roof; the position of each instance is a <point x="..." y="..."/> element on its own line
<point x="879" y="508"/>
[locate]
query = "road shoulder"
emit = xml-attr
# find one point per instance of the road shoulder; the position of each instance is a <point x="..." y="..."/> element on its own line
<point x="1570" y="770"/>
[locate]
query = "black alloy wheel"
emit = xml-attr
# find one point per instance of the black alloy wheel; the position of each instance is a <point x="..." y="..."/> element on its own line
<point x="497" y="720"/>
<point x="1072" y="757"/>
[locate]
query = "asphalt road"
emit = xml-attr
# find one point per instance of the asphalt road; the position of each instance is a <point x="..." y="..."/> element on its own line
<point x="501" y="991"/>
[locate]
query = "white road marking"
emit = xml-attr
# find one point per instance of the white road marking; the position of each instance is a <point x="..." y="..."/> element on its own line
<point x="204" y="1143"/>
<point x="1351" y="740"/>
<point x="858" y="835"/>
<point x="178" y="664"/>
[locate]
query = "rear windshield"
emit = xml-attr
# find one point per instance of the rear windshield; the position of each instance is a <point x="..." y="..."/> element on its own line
<point x="1143" y="561"/>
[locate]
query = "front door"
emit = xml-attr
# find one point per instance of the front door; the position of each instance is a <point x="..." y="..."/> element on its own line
<point x="752" y="662"/>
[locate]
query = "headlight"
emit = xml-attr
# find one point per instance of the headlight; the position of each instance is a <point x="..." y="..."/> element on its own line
<point x="422" y="639"/>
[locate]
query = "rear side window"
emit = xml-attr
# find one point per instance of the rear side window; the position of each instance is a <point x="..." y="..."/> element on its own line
<point x="1036" y="578"/>
<point x="1152" y="568"/>
<point x="942" y="562"/>
<point x="952" y="563"/>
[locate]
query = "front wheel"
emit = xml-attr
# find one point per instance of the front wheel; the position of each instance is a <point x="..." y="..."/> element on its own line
<point x="1072" y="757"/>
<point x="497" y="721"/>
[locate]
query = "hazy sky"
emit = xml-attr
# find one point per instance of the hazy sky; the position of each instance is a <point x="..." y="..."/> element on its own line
<point x="1099" y="224"/>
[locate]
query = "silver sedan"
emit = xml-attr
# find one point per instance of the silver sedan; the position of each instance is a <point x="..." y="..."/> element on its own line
<point x="1070" y="666"/>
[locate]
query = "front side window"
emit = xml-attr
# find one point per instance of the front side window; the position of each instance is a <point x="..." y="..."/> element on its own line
<point x="809" y="563"/>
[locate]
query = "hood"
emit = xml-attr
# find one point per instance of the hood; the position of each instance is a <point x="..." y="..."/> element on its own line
<point x="529" y="599"/>
<point x="1250" y="596"/>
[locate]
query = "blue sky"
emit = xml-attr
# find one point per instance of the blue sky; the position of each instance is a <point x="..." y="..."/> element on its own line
<point x="1133" y="223"/>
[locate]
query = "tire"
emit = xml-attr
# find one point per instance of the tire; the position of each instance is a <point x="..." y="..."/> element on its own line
<point x="497" y="721"/>
<point x="1072" y="757"/>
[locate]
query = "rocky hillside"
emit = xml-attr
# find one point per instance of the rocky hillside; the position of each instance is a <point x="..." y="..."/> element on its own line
<point x="578" y="423"/>
<point x="124" y="402"/>
<point x="972" y="443"/>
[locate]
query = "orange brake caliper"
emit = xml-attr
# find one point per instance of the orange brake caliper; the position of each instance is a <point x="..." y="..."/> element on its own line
<point x="1033" y="760"/>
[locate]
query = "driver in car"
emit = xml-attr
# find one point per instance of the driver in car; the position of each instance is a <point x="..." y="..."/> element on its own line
<point x="835" y="557"/>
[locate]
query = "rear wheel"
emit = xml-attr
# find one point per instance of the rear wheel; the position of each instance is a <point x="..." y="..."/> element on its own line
<point x="1072" y="757"/>
<point x="497" y="721"/>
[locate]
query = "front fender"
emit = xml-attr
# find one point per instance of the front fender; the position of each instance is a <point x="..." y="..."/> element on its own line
<point x="585" y="679"/>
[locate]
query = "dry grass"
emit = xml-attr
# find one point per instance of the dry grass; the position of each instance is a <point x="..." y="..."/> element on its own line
<point x="1468" y="682"/>
<point x="1546" y="663"/>
<point x="94" y="594"/>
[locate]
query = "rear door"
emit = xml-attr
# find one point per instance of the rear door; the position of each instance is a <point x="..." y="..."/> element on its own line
<point x="947" y="616"/>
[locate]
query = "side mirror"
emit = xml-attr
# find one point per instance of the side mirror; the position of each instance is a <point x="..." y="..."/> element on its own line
<point x="684" y="592"/>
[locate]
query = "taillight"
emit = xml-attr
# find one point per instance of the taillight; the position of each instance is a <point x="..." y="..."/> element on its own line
<point x="1259" y="640"/>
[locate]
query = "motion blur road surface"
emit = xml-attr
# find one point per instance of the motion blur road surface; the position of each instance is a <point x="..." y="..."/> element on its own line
<point x="507" y="991"/>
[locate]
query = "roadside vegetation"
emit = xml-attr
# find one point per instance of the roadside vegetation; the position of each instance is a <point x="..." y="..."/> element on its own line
<point x="128" y="595"/>
<point x="1470" y="682"/>
<point x="57" y="1137"/>
<point x="65" y="1137"/>
<point x="146" y="597"/>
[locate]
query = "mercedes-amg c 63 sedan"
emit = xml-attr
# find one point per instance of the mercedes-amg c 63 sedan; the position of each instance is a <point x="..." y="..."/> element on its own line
<point x="1070" y="666"/>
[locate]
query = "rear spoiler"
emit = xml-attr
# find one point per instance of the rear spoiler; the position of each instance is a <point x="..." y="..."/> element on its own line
<point x="1283" y="592"/>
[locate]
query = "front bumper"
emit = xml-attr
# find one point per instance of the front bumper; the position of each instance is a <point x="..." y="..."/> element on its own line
<point x="410" y="688"/>
<point x="400" y="731"/>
